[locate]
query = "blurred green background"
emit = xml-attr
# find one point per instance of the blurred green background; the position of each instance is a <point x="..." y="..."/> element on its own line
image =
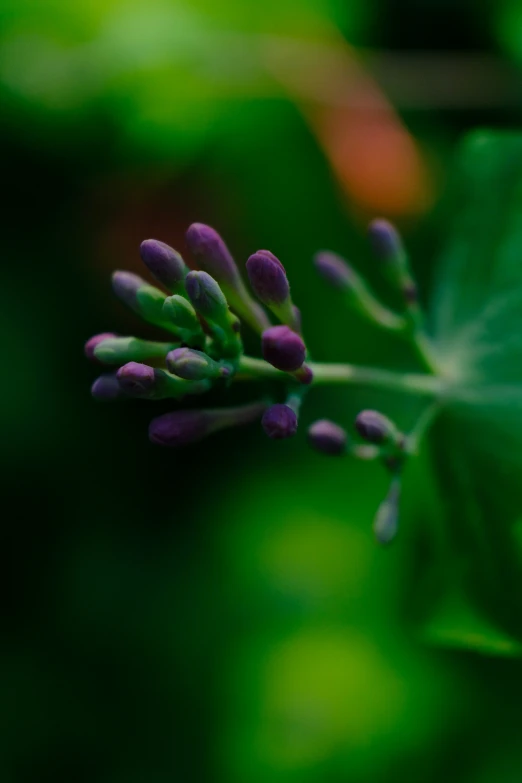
<point x="222" y="613"/>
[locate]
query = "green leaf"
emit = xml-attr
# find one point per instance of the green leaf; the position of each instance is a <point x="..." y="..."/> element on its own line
<point x="456" y="623"/>
<point x="477" y="306"/>
<point x="476" y="318"/>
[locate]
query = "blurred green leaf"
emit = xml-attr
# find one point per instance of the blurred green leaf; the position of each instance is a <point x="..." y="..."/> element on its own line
<point x="477" y="321"/>
<point x="477" y="308"/>
<point x="456" y="623"/>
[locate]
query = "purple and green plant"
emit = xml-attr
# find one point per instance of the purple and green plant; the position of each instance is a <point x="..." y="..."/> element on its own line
<point x="203" y="311"/>
<point x="468" y="386"/>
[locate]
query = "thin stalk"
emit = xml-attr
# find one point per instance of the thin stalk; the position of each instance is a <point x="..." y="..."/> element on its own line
<point x="372" y="376"/>
<point x="348" y="374"/>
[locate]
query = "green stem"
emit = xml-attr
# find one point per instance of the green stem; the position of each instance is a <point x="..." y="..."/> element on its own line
<point x="252" y="369"/>
<point x="372" y="376"/>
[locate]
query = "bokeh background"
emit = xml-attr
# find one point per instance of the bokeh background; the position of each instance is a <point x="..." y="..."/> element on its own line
<point x="222" y="613"/>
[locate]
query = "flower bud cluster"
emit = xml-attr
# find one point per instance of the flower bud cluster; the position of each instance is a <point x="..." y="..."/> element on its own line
<point x="202" y="306"/>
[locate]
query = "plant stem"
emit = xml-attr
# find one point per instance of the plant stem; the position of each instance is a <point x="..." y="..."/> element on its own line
<point x="252" y="369"/>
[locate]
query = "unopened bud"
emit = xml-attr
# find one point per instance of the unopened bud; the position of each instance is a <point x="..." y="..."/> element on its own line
<point x="206" y="296"/>
<point x="106" y="387"/>
<point x="327" y="437"/>
<point x="279" y="421"/>
<point x="144" y="299"/>
<point x="387" y="245"/>
<point x="179" y="312"/>
<point x="120" y="350"/>
<point x="214" y="257"/>
<point x="387" y="517"/>
<point x="196" y="365"/>
<point x="136" y="379"/>
<point x="211" y="253"/>
<point x="126" y="286"/>
<point x="151" y="383"/>
<point x="359" y="296"/>
<point x="385" y="241"/>
<point x="91" y="344"/>
<point x="268" y="278"/>
<point x="208" y="299"/>
<point x="375" y="428"/>
<point x="334" y="269"/>
<point x="269" y="282"/>
<point x="179" y="428"/>
<point x="283" y="348"/>
<point x="164" y="262"/>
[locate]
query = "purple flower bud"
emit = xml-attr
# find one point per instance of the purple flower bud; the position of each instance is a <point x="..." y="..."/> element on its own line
<point x="206" y="295"/>
<point x="387" y="518"/>
<point x="91" y="344"/>
<point x="333" y="269"/>
<point x="268" y="278"/>
<point x="211" y="253"/>
<point x="136" y="379"/>
<point x="106" y="387"/>
<point x="327" y="437"/>
<point x="179" y="428"/>
<point x="272" y="257"/>
<point x="304" y="375"/>
<point x="385" y="240"/>
<point x="166" y="264"/>
<point x="374" y="427"/>
<point x="126" y="286"/>
<point x="279" y="421"/>
<point x="283" y="348"/>
<point x="214" y="257"/>
<point x="194" y="365"/>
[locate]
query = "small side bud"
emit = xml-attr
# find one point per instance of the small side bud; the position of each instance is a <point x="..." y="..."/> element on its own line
<point x="91" y="344"/>
<point x="327" y="437"/>
<point x="334" y="269"/>
<point x="375" y="428"/>
<point x="385" y="241"/>
<point x="304" y="375"/>
<point x="211" y="253"/>
<point x="195" y="365"/>
<point x="106" y="387"/>
<point x="387" y="245"/>
<point x="180" y="428"/>
<point x="164" y="262"/>
<point x="283" y="348"/>
<point x="146" y="300"/>
<point x="126" y="286"/>
<point x="268" y="278"/>
<point x="279" y="421"/>
<point x="340" y="275"/>
<point x="387" y="517"/>
<point x="152" y="383"/>
<point x="136" y="379"/>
